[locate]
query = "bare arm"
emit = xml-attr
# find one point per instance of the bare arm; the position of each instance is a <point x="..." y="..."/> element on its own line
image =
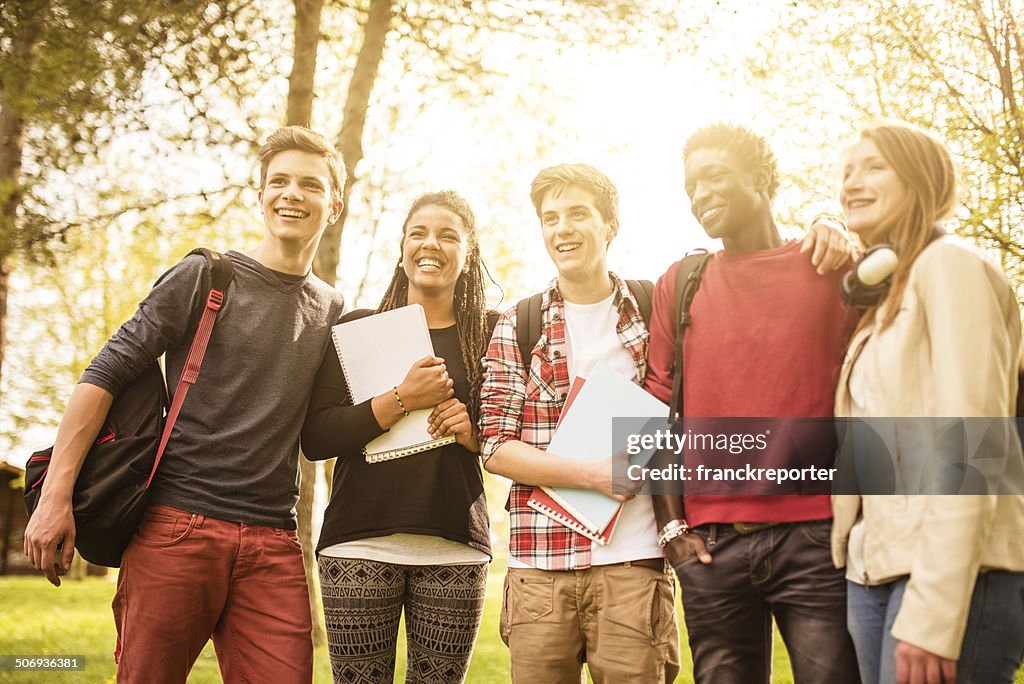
<point x="52" y="523"/>
<point x="525" y="464"/>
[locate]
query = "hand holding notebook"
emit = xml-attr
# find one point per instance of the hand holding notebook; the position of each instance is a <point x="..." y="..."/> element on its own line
<point x="377" y="353"/>
<point x="585" y="433"/>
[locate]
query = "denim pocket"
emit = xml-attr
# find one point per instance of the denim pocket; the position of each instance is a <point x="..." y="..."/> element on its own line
<point x="291" y="537"/>
<point x="504" y="626"/>
<point x="632" y="599"/>
<point x="162" y="527"/>
<point x="663" y="610"/>
<point x="818" y="532"/>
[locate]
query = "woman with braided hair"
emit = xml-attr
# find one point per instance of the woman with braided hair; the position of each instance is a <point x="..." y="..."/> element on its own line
<point x="411" y="533"/>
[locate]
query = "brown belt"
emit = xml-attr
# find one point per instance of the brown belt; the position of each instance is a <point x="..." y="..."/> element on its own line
<point x="747" y="528"/>
<point x="652" y="563"/>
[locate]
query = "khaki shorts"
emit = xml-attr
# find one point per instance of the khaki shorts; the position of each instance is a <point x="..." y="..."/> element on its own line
<point x="620" y="620"/>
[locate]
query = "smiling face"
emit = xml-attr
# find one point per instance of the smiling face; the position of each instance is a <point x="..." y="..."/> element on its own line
<point x="576" y="234"/>
<point x="871" y="191"/>
<point x="434" y="247"/>
<point x="296" y="197"/>
<point x="724" y="197"/>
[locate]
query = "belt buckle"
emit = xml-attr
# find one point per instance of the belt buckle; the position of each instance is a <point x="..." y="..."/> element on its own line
<point x="747" y="528"/>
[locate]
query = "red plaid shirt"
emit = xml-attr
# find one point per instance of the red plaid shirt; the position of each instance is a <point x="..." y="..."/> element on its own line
<point x="520" y="405"/>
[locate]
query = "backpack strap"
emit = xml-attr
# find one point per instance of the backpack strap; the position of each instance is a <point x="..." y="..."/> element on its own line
<point x="643" y="293"/>
<point x="221" y="268"/>
<point x="528" y="318"/>
<point x="528" y="326"/>
<point x="687" y="281"/>
<point x="221" y="273"/>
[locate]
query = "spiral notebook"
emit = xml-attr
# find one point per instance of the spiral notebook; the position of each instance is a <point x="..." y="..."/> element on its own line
<point x="542" y="502"/>
<point x="375" y="353"/>
<point x="585" y="432"/>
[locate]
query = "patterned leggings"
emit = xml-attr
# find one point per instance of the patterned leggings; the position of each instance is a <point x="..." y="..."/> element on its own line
<point x="363" y="602"/>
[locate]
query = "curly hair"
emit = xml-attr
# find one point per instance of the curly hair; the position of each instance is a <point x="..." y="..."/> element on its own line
<point x="470" y="301"/>
<point x="746" y="148"/>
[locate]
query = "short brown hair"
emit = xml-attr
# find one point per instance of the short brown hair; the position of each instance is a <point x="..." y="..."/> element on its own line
<point x="583" y="176"/>
<point x="302" y="138"/>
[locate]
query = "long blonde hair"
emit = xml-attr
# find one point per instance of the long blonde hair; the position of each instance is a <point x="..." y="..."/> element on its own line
<point x="924" y="164"/>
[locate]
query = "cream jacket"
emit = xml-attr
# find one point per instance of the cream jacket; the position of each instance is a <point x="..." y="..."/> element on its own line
<point x="953" y="350"/>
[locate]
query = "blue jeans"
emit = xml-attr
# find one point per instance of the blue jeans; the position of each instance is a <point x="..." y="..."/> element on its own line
<point x="993" y="646"/>
<point x="784" y="572"/>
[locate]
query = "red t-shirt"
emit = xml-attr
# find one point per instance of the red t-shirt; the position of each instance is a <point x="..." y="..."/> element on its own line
<point x="767" y="340"/>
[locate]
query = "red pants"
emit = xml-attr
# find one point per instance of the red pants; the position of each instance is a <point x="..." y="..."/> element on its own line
<point x="186" y="577"/>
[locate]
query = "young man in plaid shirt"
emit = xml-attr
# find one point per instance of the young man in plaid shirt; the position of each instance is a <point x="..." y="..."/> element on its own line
<point x="567" y="600"/>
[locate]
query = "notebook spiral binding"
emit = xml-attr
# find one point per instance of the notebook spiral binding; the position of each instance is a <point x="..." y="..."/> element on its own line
<point x="569" y="522"/>
<point x="409" y="451"/>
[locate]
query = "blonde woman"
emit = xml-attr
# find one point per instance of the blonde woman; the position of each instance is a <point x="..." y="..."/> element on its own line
<point x="935" y="582"/>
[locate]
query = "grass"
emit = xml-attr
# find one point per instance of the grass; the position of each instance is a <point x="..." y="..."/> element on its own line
<point x="76" y="620"/>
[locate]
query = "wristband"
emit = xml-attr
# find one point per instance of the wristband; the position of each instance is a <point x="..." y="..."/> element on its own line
<point x="399" y="400"/>
<point x="672" y="530"/>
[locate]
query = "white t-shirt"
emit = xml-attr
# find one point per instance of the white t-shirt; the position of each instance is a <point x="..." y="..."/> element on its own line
<point x="591" y="337"/>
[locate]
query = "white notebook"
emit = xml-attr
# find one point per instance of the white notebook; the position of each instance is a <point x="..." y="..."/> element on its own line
<point x="376" y="352"/>
<point x="586" y="433"/>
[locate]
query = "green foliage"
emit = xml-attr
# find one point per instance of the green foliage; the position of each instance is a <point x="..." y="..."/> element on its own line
<point x="63" y="311"/>
<point x="955" y="67"/>
<point x="78" y="75"/>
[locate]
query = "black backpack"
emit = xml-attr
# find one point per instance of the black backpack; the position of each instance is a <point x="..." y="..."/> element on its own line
<point x="688" y="278"/>
<point x="528" y="318"/>
<point x="112" y="488"/>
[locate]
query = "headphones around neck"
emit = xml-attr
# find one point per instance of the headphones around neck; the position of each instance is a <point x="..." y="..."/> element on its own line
<point x="868" y="281"/>
<point x="866" y="284"/>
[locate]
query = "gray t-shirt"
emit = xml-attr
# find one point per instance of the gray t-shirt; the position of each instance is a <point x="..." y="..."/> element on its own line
<point x="233" y="452"/>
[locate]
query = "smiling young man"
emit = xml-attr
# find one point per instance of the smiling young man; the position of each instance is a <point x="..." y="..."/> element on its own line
<point x="568" y="601"/>
<point x="216" y="553"/>
<point x="767" y="337"/>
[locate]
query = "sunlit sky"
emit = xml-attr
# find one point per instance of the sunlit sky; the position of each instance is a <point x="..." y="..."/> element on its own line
<point x="627" y="112"/>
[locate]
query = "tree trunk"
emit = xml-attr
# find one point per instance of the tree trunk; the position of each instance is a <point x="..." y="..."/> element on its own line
<point x="350" y="140"/>
<point x="5" y="279"/>
<point x="301" y="86"/>
<point x="12" y="144"/>
<point x="301" y="80"/>
<point x="304" y="512"/>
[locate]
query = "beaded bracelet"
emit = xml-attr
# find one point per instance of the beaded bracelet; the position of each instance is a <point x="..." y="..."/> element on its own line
<point x="399" y="400"/>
